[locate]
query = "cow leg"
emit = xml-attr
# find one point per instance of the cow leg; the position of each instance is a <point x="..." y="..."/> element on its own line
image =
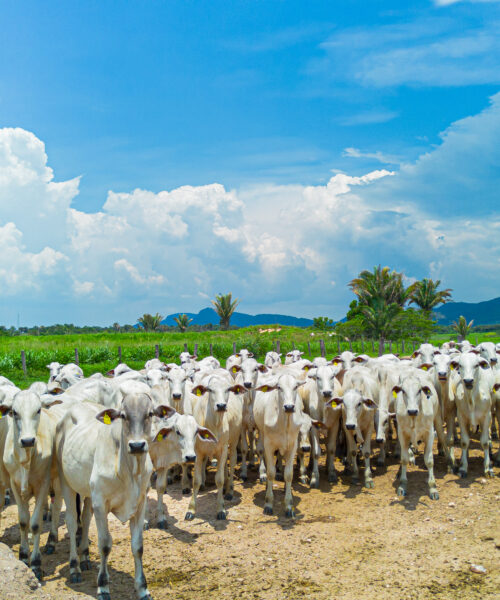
<point x="314" y="455"/>
<point x="219" y="482"/>
<point x="105" y="543"/>
<point x="271" y="473"/>
<point x="230" y="478"/>
<point x="36" y="527"/>
<point x="86" y="517"/>
<point x="404" y="445"/>
<point x="352" y="454"/>
<point x="185" y="483"/>
<point x="24" y="517"/>
<point x="302" y="467"/>
<point x="204" y="473"/>
<point x="485" y="444"/>
<point x="494" y="413"/>
<point x="161" y="484"/>
<point x="331" y="447"/>
<point x="251" y="446"/>
<point x="429" y="461"/>
<point x="75" y="574"/>
<point x="199" y="467"/>
<point x="279" y="468"/>
<point x="464" y="443"/>
<point x="447" y="448"/>
<point x="50" y="546"/>
<point x="262" y="462"/>
<point x="244" y="455"/>
<point x="366" y="453"/>
<point x="288" y="475"/>
<point x="136" y="542"/>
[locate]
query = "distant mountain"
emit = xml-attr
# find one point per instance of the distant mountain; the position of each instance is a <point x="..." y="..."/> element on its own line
<point x="208" y="315"/>
<point x="483" y="313"/>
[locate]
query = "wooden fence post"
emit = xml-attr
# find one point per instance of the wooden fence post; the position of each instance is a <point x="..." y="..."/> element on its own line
<point x="234" y="347"/>
<point x="293" y="345"/>
<point x="403" y="347"/>
<point x="77" y="358"/>
<point x="477" y="342"/>
<point x="211" y="349"/>
<point x="350" y="345"/>
<point x="278" y="346"/>
<point x="185" y="347"/>
<point x="362" y="346"/>
<point x="338" y="345"/>
<point x="390" y="346"/>
<point x="196" y="349"/>
<point x="322" y="346"/>
<point x="373" y="346"/>
<point x="309" y="347"/>
<point x="157" y="351"/>
<point x="119" y="354"/>
<point x="23" y="361"/>
<point x="413" y="345"/>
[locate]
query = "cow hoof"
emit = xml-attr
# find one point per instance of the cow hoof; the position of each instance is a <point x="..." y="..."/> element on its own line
<point x="401" y="491"/>
<point x="494" y="435"/>
<point x="163" y="524"/>
<point x="145" y="526"/>
<point x="369" y="484"/>
<point x="104" y="596"/>
<point x="75" y="578"/>
<point x="24" y="558"/>
<point x="49" y="549"/>
<point x="268" y="510"/>
<point x="355" y="480"/>
<point x="463" y="474"/>
<point x="332" y="478"/>
<point x="314" y="484"/>
<point x="303" y="479"/>
<point x="189" y="516"/>
<point x="202" y="487"/>
<point x="37" y="572"/>
<point x="6" y="501"/>
<point x="85" y="565"/>
<point x="441" y="452"/>
<point x="279" y="477"/>
<point x="221" y="515"/>
<point x="289" y="513"/>
<point x="228" y="497"/>
<point x="186" y="491"/>
<point x="489" y="473"/>
<point x="263" y="479"/>
<point x="434" y="495"/>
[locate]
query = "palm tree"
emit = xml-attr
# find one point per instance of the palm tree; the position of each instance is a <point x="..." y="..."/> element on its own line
<point x="379" y="320"/>
<point x="183" y="322"/>
<point x="225" y="306"/>
<point x="426" y="296"/>
<point x="150" y="322"/>
<point x="116" y="326"/>
<point x="381" y="284"/>
<point x="462" y="327"/>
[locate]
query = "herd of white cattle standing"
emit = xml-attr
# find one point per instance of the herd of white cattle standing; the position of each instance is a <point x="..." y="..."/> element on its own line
<point x="99" y="442"/>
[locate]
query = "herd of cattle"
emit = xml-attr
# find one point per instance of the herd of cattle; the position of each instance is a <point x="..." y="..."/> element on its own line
<point x="98" y="443"/>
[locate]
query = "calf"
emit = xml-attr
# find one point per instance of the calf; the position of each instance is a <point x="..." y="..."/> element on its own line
<point x="278" y="416"/>
<point x="103" y="456"/>
<point x="28" y="459"/>
<point x="272" y="358"/>
<point x="293" y="356"/>
<point x="54" y="369"/>
<point x="418" y="414"/>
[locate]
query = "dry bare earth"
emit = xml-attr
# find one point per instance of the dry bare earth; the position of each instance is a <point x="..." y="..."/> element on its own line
<point x="346" y="542"/>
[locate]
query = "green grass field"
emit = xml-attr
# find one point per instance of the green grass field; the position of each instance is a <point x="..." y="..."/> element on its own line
<point x="99" y="351"/>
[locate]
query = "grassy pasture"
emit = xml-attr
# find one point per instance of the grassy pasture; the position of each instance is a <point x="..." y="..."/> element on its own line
<point x="99" y="351"/>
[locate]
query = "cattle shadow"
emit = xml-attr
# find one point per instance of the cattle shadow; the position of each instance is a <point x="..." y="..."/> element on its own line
<point x="278" y="516"/>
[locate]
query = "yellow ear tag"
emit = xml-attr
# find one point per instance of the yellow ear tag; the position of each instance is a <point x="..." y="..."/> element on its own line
<point x="333" y="404"/>
<point x="235" y="370"/>
<point x="164" y="411"/>
<point x="207" y="436"/>
<point x="159" y="437"/>
<point x="395" y="394"/>
<point x="106" y="419"/>
<point x="335" y="362"/>
<point x="452" y="367"/>
<point x="264" y="389"/>
<point x="198" y="392"/>
<point x="306" y="368"/>
<point x="424" y="368"/>
<point x="1" y="415"/>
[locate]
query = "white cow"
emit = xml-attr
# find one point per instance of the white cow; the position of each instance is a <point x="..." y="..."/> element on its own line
<point x="278" y="416"/>
<point x="272" y="358"/>
<point x="54" y="369"/>
<point x="68" y="376"/>
<point x="293" y="356"/>
<point x="28" y="459"/>
<point x="103" y="456"/>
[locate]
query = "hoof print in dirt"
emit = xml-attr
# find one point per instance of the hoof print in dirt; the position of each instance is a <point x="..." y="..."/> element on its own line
<point x="221" y="516"/>
<point x="189" y="516"/>
<point x="186" y="491"/>
<point x="268" y="510"/>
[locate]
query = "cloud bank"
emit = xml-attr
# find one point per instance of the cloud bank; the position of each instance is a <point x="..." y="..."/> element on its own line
<point x="280" y="248"/>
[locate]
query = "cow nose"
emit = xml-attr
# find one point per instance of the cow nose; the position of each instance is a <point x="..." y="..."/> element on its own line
<point x="305" y="448"/>
<point x="327" y="393"/>
<point x="221" y="407"/>
<point x="289" y="408"/>
<point x="413" y="412"/>
<point x="28" y="442"/>
<point x="379" y="440"/>
<point x="350" y="426"/>
<point x="494" y="360"/>
<point x="137" y="447"/>
<point x="468" y="383"/>
<point x="190" y="458"/>
<point x="176" y="396"/>
<point x="248" y="384"/>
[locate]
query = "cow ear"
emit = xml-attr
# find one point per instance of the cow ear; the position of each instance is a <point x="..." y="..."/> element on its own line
<point x="55" y="390"/>
<point x="164" y="431"/>
<point x="164" y="411"/>
<point x="206" y="435"/>
<point x="427" y="390"/>
<point x="110" y="373"/>
<point x="250" y="355"/>
<point x="396" y="389"/>
<point x="237" y="389"/>
<point x="333" y="402"/>
<point x="484" y="364"/>
<point x="425" y="366"/>
<point x="336" y="360"/>
<point x="235" y="368"/>
<point x="193" y="357"/>
<point x="108" y="416"/>
<point x="496" y="387"/>
<point x="199" y="390"/>
<point x="4" y="409"/>
<point x="454" y="364"/>
<point x="318" y="424"/>
<point x="369" y="402"/>
<point x="474" y="351"/>
<point x="263" y="368"/>
<point x="265" y="388"/>
<point x="415" y="354"/>
<point x="48" y="402"/>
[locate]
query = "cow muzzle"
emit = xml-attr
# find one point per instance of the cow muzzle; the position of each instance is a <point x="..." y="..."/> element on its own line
<point x="380" y="440"/>
<point x="176" y="396"/>
<point x="442" y="376"/>
<point x="289" y="408"/>
<point x="305" y="448"/>
<point x="28" y="442"/>
<point x="190" y="458"/>
<point x="137" y="447"/>
<point x="327" y="394"/>
<point x="469" y="383"/>
<point x="221" y="407"/>
<point x="413" y="412"/>
<point x="248" y="384"/>
<point x="350" y="426"/>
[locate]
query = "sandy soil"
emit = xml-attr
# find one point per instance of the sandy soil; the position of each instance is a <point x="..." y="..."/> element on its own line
<point x="345" y="542"/>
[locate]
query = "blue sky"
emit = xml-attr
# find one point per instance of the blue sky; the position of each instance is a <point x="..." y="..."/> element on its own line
<point x="153" y="154"/>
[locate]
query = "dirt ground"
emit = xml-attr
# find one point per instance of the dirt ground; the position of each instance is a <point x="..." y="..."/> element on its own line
<point x="345" y="542"/>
